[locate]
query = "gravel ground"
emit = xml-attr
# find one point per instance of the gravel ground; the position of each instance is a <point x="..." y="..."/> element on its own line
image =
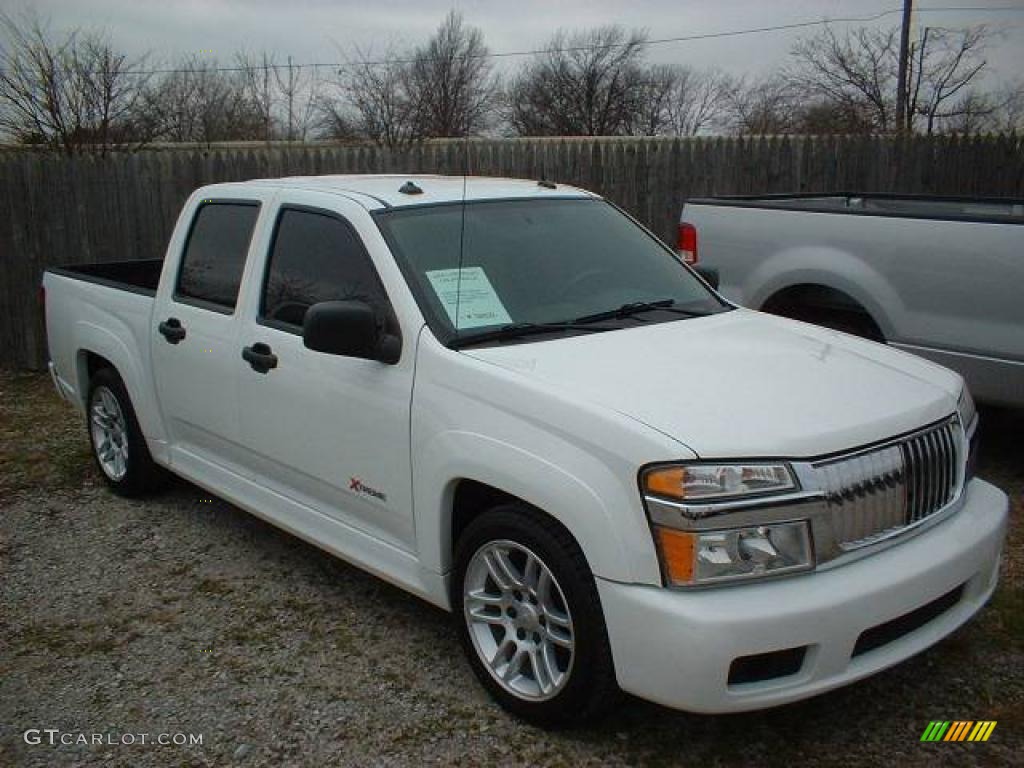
<point x="183" y="614"/>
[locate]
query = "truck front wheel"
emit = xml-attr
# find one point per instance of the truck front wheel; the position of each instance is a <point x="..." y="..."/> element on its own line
<point x="529" y="617"/>
<point x="118" y="445"/>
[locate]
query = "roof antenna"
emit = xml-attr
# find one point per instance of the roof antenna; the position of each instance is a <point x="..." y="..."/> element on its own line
<point x="544" y="168"/>
<point x="462" y="230"/>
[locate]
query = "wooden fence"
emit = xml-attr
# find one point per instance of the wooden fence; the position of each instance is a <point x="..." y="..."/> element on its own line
<point x="57" y="210"/>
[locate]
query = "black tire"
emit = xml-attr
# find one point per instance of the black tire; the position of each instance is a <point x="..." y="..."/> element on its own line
<point x="590" y="689"/>
<point x="141" y="474"/>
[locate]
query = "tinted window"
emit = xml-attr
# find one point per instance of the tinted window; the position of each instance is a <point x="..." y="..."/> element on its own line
<point x="211" y="269"/>
<point x="317" y="257"/>
<point x="535" y="261"/>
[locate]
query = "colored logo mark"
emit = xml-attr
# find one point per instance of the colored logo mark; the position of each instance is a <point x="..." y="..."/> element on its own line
<point x="958" y="730"/>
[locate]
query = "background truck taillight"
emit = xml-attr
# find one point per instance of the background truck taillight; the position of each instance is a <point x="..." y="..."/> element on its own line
<point x="687" y="246"/>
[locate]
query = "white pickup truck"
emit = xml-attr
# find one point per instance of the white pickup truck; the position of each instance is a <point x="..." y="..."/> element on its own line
<point x="940" y="277"/>
<point x="510" y="399"/>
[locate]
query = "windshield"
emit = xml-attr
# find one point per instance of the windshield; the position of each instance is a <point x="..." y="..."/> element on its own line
<point x="554" y="261"/>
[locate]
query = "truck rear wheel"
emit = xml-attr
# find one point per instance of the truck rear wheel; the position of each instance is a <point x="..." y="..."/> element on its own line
<point x="527" y="611"/>
<point x="826" y="307"/>
<point x="118" y="445"/>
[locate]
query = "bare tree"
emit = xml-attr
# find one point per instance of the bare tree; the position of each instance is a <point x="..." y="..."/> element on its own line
<point x="823" y="117"/>
<point x="1009" y="114"/>
<point x="451" y="85"/>
<point x="299" y="95"/>
<point x="371" y="100"/>
<point x="443" y="88"/>
<point x="259" y="85"/>
<point x="856" y="73"/>
<point x="944" y="64"/>
<point x="199" y="102"/>
<point x="697" y="101"/>
<point x="652" y="97"/>
<point x="336" y="120"/>
<point x="71" y="92"/>
<point x="286" y="96"/>
<point x="584" y="83"/>
<point x="763" y="106"/>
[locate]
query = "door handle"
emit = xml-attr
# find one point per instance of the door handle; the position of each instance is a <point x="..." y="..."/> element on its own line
<point x="259" y="357"/>
<point x="172" y="330"/>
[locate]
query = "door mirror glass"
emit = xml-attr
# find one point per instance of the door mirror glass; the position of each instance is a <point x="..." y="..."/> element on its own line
<point x="349" y="328"/>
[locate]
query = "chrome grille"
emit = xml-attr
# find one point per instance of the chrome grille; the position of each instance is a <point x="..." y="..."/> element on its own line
<point x="877" y="492"/>
<point x="930" y="459"/>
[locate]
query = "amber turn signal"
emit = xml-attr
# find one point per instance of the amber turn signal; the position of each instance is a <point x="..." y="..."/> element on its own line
<point x="677" y="553"/>
<point x="666" y="482"/>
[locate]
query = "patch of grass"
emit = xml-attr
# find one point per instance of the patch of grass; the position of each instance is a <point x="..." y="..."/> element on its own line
<point x="208" y="586"/>
<point x="69" y="640"/>
<point x="1004" y="619"/>
<point x="102" y="644"/>
<point x="43" y="443"/>
<point x="301" y="606"/>
<point x="157" y="617"/>
<point x="43" y="639"/>
<point x="181" y="568"/>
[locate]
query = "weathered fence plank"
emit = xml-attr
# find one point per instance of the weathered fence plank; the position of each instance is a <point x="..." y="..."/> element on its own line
<point x="66" y="211"/>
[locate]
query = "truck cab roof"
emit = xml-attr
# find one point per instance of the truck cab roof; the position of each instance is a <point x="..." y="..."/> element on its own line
<point x="376" y="191"/>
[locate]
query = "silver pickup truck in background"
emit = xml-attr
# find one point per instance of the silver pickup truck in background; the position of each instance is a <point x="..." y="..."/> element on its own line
<point x="939" y="277"/>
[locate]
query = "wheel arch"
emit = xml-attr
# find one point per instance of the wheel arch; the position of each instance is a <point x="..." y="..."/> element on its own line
<point x="829" y="269"/>
<point x="98" y="348"/>
<point x="789" y="300"/>
<point x="87" y="364"/>
<point x="483" y="473"/>
<point x="469" y="498"/>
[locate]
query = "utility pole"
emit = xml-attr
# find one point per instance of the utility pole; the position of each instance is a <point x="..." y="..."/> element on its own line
<point x="291" y="100"/>
<point x="901" y="77"/>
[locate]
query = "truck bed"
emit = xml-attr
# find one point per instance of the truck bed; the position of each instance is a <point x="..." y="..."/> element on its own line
<point x="995" y="210"/>
<point x="138" y="276"/>
<point x="938" y="277"/>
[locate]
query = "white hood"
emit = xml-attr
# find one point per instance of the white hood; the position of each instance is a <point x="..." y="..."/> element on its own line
<point x="743" y="383"/>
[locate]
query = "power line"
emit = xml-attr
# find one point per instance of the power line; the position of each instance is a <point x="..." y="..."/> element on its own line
<point x="597" y="47"/>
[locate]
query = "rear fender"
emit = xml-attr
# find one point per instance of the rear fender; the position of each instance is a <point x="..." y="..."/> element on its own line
<point x="109" y="343"/>
<point x="845" y="272"/>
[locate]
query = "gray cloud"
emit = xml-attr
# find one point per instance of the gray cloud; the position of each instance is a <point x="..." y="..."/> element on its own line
<point x="312" y="30"/>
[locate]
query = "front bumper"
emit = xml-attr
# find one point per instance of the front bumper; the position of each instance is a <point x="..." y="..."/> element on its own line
<point x="676" y="647"/>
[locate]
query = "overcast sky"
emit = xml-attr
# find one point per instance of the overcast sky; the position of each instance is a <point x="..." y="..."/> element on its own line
<point x="313" y="30"/>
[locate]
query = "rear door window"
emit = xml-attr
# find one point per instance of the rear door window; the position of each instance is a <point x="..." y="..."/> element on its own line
<point x="214" y="256"/>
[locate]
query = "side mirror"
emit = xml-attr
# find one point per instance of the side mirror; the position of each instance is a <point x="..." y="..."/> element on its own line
<point x="709" y="275"/>
<point x="349" y="328"/>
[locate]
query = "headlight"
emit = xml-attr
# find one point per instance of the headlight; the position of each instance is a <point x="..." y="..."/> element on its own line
<point x="703" y="557"/>
<point x="715" y="482"/>
<point x="966" y="407"/>
<point x="968" y="418"/>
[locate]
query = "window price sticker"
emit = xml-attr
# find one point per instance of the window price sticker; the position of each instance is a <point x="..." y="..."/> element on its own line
<point x="468" y="291"/>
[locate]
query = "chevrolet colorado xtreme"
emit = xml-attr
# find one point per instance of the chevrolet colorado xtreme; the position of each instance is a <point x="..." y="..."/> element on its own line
<point x="510" y="399"/>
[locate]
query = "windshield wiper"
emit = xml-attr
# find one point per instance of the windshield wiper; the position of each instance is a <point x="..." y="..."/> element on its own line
<point x="517" y="330"/>
<point x="638" y="307"/>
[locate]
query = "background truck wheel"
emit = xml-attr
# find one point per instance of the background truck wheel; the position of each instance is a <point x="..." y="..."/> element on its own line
<point x="527" y="611"/>
<point x="117" y="443"/>
<point x="824" y="306"/>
